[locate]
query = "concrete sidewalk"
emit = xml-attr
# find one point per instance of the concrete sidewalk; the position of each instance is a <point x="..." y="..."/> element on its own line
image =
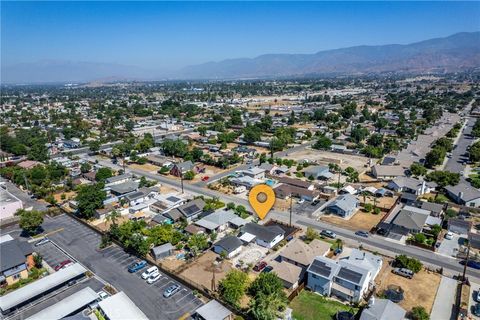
<point x="444" y="300"/>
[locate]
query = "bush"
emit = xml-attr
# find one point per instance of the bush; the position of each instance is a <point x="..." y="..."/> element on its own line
<point x="368" y="207"/>
<point x="376" y="210"/>
<point x="402" y="261"/>
<point x="419" y="313"/>
<point x="420" y="238"/>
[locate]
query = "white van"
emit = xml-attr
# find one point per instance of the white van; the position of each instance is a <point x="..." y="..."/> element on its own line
<point x="149" y="272"/>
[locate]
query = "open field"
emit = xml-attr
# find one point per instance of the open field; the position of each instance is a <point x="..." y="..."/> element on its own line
<point x="326" y="157"/>
<point x="384" y="203"/>
<point x="360" y="220"/>
<point x="311" y="306"/>
<point x="201" y="271"/>
<point x="145" y="167"/>
<point x="419" y="291"/>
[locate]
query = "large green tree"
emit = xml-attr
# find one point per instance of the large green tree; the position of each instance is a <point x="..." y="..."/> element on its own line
<point x="30" y="221"/>
<point x="90" y="198"/>
<point x="233" y="286"/>
<point x="268" y="297"/>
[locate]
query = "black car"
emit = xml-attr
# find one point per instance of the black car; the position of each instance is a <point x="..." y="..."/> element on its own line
<point x="362" y="234"/>
<point x="472" y="264"/>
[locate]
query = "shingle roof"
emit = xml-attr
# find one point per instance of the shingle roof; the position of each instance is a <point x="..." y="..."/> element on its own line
<point x="13" y="253"/>
<point x="383" y="309"/>
<point x="300" y="252"/>
<point x="265" y="233"/>
<point x="468" y="193"/>
<point x="410" y="220"/>
<point x="345" y="202"/>
<point x="229" y="243"/>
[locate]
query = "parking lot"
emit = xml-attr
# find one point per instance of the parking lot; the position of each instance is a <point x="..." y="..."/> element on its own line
<point x="111" y="265"/>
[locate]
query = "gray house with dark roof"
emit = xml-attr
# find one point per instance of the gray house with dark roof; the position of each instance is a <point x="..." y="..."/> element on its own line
<point x="265" y="236"/>
<point x="231" y="245"/>
<point x="383" y="309"/>
<point x="192" y="209"/>
<point x="464" y="194"/>
<point x="15" y="260"/>
<point x="344" y="206"/>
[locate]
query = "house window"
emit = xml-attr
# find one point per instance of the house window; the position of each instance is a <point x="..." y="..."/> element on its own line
<point x="17" y="276"/>
<point x="472" y="204"/>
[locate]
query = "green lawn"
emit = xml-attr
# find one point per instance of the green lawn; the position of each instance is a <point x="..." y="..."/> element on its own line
<point x="311" y="306"/>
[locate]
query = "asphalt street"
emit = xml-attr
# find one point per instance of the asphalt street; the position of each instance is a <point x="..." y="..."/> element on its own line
<point x="111" y="264"/>
<point x="455" y="163"/>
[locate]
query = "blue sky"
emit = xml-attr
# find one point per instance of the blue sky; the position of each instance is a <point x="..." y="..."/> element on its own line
<point x="174" y="34"/>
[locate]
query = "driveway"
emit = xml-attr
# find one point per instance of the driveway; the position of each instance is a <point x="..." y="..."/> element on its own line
<point x="444" y="300"/>
<point x="111" y="265"/>
<point x="449" y="248"/>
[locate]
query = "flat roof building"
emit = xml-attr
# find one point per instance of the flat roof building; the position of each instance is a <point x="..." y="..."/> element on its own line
<point x="120" y="307"/>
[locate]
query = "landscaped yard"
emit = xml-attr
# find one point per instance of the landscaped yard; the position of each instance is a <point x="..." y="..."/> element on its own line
<point x="311" y="306"/>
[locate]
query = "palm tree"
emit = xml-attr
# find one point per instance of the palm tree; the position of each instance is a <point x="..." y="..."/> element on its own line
<point x="112" y="217"/>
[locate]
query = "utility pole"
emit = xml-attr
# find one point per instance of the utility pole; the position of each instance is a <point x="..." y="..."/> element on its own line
<point x="291" y="208"/>
<point x="181" y="179"/>
<point x="464" y="279"/>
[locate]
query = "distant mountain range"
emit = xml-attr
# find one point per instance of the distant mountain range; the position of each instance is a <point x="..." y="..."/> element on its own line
<point x="454" y="53"/>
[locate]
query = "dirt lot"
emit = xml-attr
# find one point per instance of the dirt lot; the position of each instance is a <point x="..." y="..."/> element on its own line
<point x="68" y="196"/>
<point x="201" y="271"/>
<point x="419" y="291"/>
<point x="384" y="203"/>
<point x="145" y="167"/>
<point x="325" y="157"/>
<point x="360" y="220"/>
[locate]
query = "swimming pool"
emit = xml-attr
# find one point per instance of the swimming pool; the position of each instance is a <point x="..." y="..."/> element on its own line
<point x="270" y="182"/>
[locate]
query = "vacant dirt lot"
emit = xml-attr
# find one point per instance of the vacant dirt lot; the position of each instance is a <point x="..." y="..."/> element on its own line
<point x="145" y="167"/>
<point x="326" y="157"/>
<point x="360" y="220"/>
<point x="384" y="203"/>
<point x="419" y="291"/>
<point x="201" y="271"/>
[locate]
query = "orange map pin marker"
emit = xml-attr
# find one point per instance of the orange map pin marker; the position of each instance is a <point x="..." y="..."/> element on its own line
<point x="261" y="199"/>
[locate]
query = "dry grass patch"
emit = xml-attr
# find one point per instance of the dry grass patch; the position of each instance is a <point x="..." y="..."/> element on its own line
<point x="145" y="167"/>
<point x="360" y="220"/>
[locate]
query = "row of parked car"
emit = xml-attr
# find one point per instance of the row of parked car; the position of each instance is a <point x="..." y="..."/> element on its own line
<point x="152" y="275"/>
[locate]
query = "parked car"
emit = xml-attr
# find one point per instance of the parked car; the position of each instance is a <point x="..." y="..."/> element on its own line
<point x="170" y="291"/>
<point x="267" y="269"/>
<point x="476" y="310"/>
<point x="328" y="234"/>
<point x="259" y="266"/>
<point x="63" y="264"/>
<point x="477" y="296"/>
<point x="72" y="283"/>
<point x="362" y="233"/>
<point x="154" y="277"/>
<point x="149" y="272"/>
<point x="102" y="294"/>
<point x="205" y="178"/>
<point x="449" y="235"/>
<point x="301" y="201"/>
<point x="315" y="202"/>
<point x="404" y="272"/>
<point x="42" y="242"/>
<point x="472" y="264"/>
<point x="137" y="265"/>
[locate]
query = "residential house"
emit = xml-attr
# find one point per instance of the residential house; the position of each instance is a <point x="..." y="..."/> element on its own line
<point x="411" y="185"/>
<point x="220" y="220"/>
<point x="340" y="278"/>
<point x="162" y="251"/>
<point x="344" y="206"/>
<point x="474" y="240"/>
<point x="142" y="195"/>
<point x="166" y="202"/>
<point x="318" y="172"/>
<point x="190" y="210"/>
<point x="265" y="236"/>
<point x="296" y="182"/>
<point x="408" y="198"/>
<point x="366" y="260"/>
<point x="289" y="274"/>
<point x="90" y="176"/>
<point x="273" y="169"/>
<point x="194" y="229"/>
<point x="159" y="161"/>
<point x="464" y="194"/>
<point x="410" y="220"/>
<point x="179" y="169"/>
<point x="382" y="309"/>
<point x="231" y="245"/>
<point x="254" y="173"/>
<point x="459" y="226"/>
<point x="302" y="254"/>
<point x="436" y="209"/>
<point x="15" y="260"/>
<point x="102" y="213"/>
<point x="245" y="181"/>
<point x="284" y="191"/>
<point x="122" y="189"/>
<point x="121" y="178"/>
<point x="29" y="164"/>
<point x="385" y="173"/>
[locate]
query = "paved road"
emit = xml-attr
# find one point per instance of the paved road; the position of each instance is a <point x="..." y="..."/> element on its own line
<point x="111" y="265"/>
<point x="26" y="199"/>
<point x="455" y="163"/>
<point x="375" y="242"/>
<point x="279" y="154"/>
